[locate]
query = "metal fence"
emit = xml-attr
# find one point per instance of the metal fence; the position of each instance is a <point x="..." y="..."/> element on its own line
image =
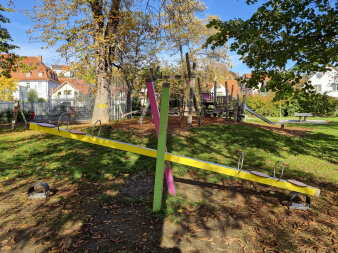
<point x="118" y="103"/>
<point x="53" y="108"/>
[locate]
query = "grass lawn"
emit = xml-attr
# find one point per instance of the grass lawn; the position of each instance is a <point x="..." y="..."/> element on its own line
<point x="104" y="196"/>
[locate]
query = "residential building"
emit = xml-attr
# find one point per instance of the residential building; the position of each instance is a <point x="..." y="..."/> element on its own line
<point x="39" y="78"/>
<point x="326" y="82"/>
<point x="220" y="90"/>
<point x="62" y="70"/>
<point x="68" y="89"/>
<point x="252" y="91"/>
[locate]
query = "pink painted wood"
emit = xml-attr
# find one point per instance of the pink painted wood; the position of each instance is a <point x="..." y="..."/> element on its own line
<point x="257" y="173"/>
<point x="46" y="125"/>
<point x="77" y="132"/>
<point x="156" y="116"/>
<point x="296" y="182"/>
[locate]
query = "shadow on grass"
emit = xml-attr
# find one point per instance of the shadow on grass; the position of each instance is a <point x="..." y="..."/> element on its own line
<point x="105" y="204"/>
<point x="223" y="142"/>
<point x="92" y="209"/>
<point x="207" y="219"/>
<point x="246" y="215"/>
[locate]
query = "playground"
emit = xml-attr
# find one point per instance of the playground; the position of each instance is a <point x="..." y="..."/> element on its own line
<point x="102" y="198"/>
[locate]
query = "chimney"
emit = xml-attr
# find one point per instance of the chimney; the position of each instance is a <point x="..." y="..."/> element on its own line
<point x="39" y="58"/>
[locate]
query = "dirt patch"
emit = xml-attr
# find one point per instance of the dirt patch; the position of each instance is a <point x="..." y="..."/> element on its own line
<point x="177" y="125"/>
<point x="115" y="215"/>
<point x="242" y="216"/>
<point x="238" y="216"/>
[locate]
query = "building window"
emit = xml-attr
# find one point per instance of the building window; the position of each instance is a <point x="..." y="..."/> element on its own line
<point x="28" y="74"/>
<point x="59" y="93"/>
<point x="28" y="85"/>
<point x="334" y="87"/>
<point x="318" y="87"/>
<point x="40" y="74"/>
<point x="67" y="92"/>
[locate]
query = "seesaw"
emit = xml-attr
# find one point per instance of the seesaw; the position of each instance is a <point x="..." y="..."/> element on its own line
<point x="162" y="155"/>
<point x="243" y="174"/>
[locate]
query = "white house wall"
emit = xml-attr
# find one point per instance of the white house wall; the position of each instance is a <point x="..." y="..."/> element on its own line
<point x="220" y="90"/>
<point x="64" y="72"/>
<point x="326" y="82"/>
<point x="62" y="90"/>
<point x="20" y="93"/>
<point x="42" y="87"/>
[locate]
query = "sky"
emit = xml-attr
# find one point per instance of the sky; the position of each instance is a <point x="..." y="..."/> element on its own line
<point x="20" y="23"/>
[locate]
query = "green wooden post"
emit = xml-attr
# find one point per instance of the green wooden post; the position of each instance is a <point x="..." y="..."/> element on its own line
<point x="161" y="146"/>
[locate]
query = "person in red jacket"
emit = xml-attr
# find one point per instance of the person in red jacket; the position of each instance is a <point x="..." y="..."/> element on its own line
<point x="32" y="116"/>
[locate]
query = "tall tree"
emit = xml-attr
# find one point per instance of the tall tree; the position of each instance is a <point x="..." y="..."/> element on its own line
<point x="7" y="57"/>
<point x="86" y="30"/>
<point x="32" y="96"/>
<point x="182" y="29"/>
<point x="280" y="33"/>
<point x="137" y="49"/>
<point x="7" y="87"/>
<point x="181" y="26"/>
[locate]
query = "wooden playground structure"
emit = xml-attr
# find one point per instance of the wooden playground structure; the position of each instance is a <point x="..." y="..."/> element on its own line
<point x="207" y="103"/>
<point x="222" y="106"/>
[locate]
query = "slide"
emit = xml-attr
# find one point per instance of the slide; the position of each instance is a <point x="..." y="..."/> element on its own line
<point x="260" y="116"/>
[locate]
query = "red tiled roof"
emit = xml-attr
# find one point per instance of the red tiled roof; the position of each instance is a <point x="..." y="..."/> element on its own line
<point x="39" y="67"/>
<point x="229" y="82"/>
<point x="81" y="85"/>
<point x="249" y="75"/>
<point x="60" y="67"/>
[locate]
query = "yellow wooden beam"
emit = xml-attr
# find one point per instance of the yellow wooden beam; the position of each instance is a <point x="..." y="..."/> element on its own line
<point x="178" y="159"/>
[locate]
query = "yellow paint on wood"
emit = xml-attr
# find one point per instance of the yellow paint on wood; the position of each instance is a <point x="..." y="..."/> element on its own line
<point x="178" y="159"/>
<point x="102" y="106"/>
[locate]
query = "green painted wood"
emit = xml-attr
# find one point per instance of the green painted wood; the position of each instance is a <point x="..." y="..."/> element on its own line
<point x="161" y="146"/>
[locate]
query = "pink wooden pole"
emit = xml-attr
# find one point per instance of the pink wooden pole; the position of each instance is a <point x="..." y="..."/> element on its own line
<point x="156" y="116"/>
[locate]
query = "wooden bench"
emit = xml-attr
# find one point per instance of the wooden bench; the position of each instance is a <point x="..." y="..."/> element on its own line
<point x="300" y="115"/>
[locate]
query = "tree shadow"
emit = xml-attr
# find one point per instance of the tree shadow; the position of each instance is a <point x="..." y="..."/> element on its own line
<point x="251" y="216"/>
<point x="93" y="209"/>
<point x="106" y="201"/>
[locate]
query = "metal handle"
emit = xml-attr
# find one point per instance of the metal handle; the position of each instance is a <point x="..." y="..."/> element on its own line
<point x="274" y="170"/>
<point x="240" y="161"/>
<point x="59" y="121"/>
<point x="99" y="128"/>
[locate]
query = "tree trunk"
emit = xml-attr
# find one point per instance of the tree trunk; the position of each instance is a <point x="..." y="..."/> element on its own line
<point x="102" y="96"/>
<point x="104" y="43"/>
<point x="15" y="115"/>
<point x="129" y="93"/>
<point x="184" y="102"/>
<point x="144" y="112"/>
<point x="191" y="90"/>
<point x="190" y="104"/>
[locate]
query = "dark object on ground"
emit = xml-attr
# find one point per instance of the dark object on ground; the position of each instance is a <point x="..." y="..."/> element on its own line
<point x="298" y="206"/>
<point x="32" y="194"/>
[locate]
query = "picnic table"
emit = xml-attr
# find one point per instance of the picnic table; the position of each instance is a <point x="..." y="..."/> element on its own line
<point x="300" y="115"/>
